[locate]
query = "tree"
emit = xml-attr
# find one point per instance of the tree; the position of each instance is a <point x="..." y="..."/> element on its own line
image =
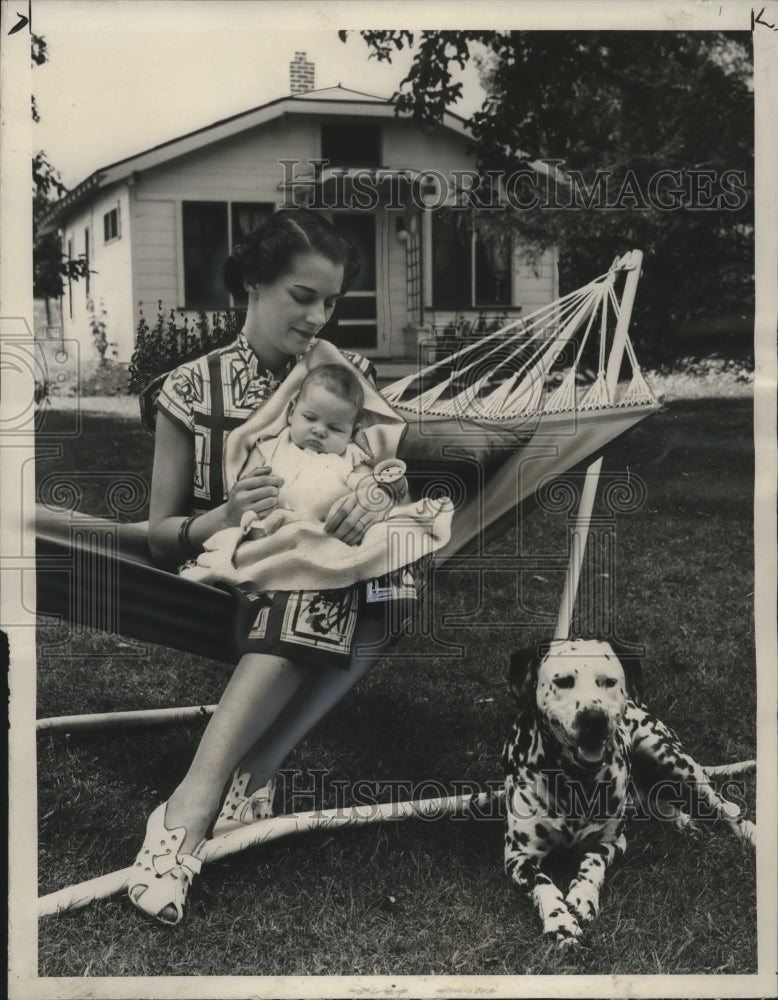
<point x="50" y="268"/>
<point x="650" y="139"/>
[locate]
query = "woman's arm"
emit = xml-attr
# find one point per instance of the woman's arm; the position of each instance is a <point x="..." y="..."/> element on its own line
<point x="171" y="492"/>
<point x="171" y="496"/>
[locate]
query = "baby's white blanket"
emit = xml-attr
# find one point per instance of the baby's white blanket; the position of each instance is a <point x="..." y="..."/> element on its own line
<point x="299" y="555"/>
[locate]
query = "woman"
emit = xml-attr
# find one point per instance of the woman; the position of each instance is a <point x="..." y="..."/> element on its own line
<point x="292" y="269"/>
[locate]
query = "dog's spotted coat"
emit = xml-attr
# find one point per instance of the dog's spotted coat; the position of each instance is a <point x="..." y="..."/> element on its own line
<point x="582" y="742"/>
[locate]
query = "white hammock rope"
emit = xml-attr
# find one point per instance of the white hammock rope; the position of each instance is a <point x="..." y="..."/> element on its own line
<point x="638" y="390"/>
<point x="396" y="390"/>
<point x="566" y="396"/>
<point x="525" y="351"/>
<point x="535" y="329"/>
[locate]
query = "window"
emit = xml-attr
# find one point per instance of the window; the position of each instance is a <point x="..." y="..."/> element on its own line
<point x="467" y="270"/>
<point x="350" y="145"/>
<point x="451" y="251"/>
<point x="111" y="225"/>
<point x="246" y="217"/>
<point x="210" y="228"/>
<point x="492" y="260"/>
<point x="205" y="251"/>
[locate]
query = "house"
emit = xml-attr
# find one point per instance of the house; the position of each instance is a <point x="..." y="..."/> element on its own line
<point x="157" y="226"/>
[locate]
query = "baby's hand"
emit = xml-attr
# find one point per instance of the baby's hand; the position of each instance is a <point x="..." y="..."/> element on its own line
<point x="247" y="519"/>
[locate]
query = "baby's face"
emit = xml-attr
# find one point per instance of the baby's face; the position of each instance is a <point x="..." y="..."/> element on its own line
<point x="321" y="421"/>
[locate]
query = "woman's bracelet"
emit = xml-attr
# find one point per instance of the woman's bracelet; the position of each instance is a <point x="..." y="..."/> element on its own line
<point x="185" y="543"/>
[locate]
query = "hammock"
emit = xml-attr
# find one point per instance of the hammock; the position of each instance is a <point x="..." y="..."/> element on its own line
<point x="488" y="419"/>
<point x="493" y="421"/>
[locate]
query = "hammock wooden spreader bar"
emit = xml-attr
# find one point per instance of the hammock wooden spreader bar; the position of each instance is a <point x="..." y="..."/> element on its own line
<point x="548" y="440"/>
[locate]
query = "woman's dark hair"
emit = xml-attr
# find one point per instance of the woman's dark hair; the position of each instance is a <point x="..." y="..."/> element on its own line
<point x="267" y="253"/>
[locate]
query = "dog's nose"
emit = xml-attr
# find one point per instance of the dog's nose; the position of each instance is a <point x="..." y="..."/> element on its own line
<point x="592" y="724"/>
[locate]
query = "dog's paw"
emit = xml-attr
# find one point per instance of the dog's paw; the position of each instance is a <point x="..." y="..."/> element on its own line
<point x="565" y="940"/>
<point x="684" y="823"/>
<point x="583" y="901"/>
<point x="745" y="831"/>
<point x="561" y="927"/>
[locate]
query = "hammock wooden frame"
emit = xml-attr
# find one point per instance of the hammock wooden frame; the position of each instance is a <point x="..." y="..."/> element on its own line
<point x="83" y="547"/>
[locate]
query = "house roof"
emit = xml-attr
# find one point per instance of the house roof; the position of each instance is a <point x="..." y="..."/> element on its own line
<point x="327" y="101"/>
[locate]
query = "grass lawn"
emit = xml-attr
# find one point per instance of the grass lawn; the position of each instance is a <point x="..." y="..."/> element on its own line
<point x="421" y="898"/>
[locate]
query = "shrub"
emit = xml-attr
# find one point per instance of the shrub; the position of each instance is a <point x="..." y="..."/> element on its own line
<point x="176" y="338"/>
<point x="464" y="329"/>
<point x="713" y="365"/>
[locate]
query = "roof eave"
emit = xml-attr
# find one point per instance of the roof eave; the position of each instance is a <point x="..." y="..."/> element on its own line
<point x="68" y="204"/>
<point x="225" y="129"/>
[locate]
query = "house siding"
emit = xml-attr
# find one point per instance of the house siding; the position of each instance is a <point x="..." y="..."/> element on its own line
<point x="538" y="285"/>
<point x="147" y="270"/>
<point x="156" y="254"/>
<point x="244" y="168"/>
<point x="110" y="282"/>
<point x="440" y="150"/>
<point x="436" y="148"/>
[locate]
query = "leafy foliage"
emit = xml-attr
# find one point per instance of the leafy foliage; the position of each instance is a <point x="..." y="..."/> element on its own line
<point x="99" y="328"/>
<point x="39" y="55"/>
<point x="629" y="104"/>
<point x="50" y="267"/>
<point x="175" y="339"/>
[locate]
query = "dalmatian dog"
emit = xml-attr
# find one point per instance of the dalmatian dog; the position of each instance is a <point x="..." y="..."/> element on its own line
<point x="582" y="746"/>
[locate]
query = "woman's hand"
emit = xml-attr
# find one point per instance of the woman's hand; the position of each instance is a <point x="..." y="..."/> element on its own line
<point x="348" y="519"/>
<point x="256" y="491"/>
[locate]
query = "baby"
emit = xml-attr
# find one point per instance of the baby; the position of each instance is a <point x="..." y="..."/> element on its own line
<point x="316" y="455"/>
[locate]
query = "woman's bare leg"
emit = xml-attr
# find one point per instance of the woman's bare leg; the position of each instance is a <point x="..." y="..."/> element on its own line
<point x="323" y="688"/>
<point x="256" y="694"/>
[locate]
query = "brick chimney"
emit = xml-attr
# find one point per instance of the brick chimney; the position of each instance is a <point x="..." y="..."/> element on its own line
<point x="301" y="74"/>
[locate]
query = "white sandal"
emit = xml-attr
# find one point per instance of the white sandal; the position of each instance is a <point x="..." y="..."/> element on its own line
<point x="161" y="876"/>
<point x="240" y="809"/>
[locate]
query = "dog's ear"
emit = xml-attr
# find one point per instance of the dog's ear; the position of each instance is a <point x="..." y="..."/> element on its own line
<point x="523" y="674"/>
<point x="633" y="670"/>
